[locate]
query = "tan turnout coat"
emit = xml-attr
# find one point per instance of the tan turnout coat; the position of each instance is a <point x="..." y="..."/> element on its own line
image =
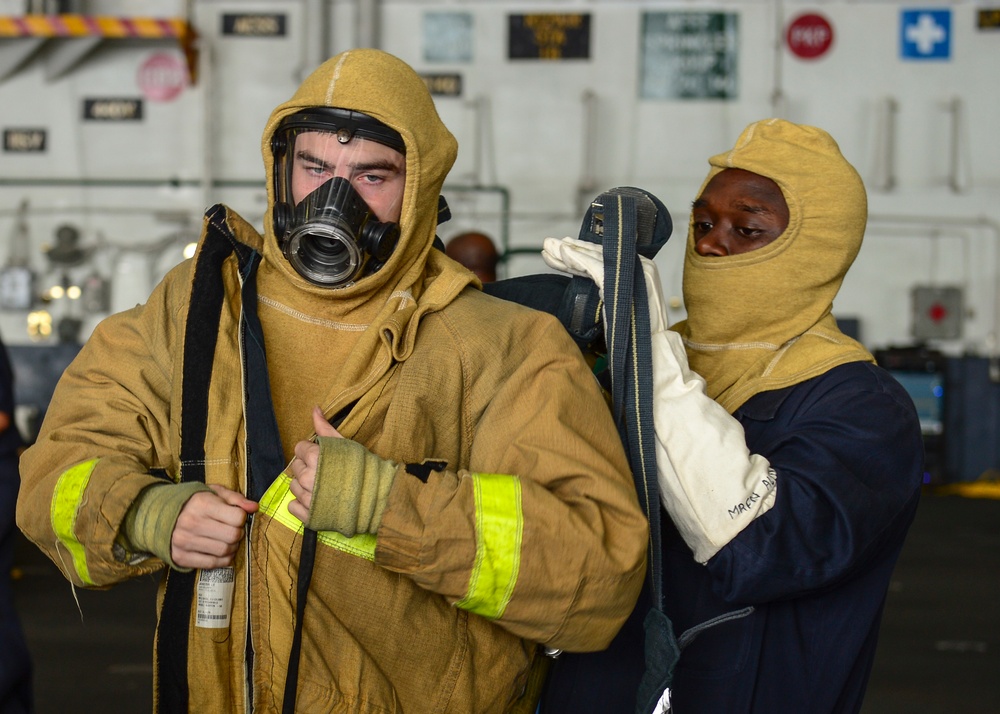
<point x="529" y="532"/>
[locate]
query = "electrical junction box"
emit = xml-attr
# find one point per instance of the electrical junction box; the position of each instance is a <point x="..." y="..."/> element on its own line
<point x="937" y="312"/>
<point x="17" y="288"/>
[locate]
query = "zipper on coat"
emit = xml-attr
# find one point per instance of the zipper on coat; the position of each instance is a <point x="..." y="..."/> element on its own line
<point x="263" y="454"/>
<point x="248" y="655"/>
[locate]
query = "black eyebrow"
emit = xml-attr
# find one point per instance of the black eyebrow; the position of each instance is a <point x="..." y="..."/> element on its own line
<point x="380" y="164"/>
<point x="383" y="164"/>
<point x="745" y="207"/>
<point x="753" y="208"/>
<point x="304" y="155"/>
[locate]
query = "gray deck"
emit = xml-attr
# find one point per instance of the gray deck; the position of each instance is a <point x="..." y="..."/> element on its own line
<point x="939" y="650"/>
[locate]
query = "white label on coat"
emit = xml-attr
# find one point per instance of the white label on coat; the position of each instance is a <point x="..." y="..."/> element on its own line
<point x="215" y="597"/>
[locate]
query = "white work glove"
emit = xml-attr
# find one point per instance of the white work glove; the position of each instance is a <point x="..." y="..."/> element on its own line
<point x="710" y="483"/>
<point x="579" y="257"/>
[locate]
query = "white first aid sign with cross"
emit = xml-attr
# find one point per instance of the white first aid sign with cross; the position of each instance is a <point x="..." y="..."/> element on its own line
<point x="925" y="34"/>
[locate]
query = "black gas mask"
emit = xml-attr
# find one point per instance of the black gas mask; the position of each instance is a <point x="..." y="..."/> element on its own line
<point x="330" y="236"/>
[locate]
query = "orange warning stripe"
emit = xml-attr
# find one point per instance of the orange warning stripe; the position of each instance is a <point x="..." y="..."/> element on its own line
<point x="92" y="26"/>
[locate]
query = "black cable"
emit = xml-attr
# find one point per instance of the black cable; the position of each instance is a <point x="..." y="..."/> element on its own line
<point x="307" y="558"/>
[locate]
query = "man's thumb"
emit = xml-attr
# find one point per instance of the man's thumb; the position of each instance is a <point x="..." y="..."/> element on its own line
<point x="322" y="426"/>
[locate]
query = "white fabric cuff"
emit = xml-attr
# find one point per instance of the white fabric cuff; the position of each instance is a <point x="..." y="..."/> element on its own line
<point x="710" y="483"/>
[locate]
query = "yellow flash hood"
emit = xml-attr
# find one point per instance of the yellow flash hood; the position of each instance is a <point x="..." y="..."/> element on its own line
<point x="762" y="320"/>
<point x="387" y="89"/>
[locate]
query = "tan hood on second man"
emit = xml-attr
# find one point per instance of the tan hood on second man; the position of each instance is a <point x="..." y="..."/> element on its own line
<point x="762" y="320"/>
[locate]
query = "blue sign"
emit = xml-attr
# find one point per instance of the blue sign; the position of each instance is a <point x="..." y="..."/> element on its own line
<point x="925" y="34"/>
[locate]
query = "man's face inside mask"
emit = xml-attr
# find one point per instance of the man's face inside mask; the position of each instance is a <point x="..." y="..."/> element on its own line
<point x="376" y="171"/>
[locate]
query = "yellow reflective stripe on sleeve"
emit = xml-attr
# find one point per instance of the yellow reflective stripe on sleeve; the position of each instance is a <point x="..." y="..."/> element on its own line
<point x="499" y="530"/>
<point x="66" y="500"/>
<point x="275" y="505"/>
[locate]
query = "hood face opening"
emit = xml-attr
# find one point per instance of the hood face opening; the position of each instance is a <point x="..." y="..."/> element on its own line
<point x="338" y="182"/>
<point x="372" y="99"/>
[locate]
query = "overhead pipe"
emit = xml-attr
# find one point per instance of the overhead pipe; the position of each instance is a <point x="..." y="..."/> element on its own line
<point x="587" y="185"/>
<point x="136" y="182"/>
<point x="477" y="106"/>
<point x="206" y="72"/>
<point x="504" y="193"/>
<point x="367" y="27"/>
<point x="885" y="171"/>
<point x="778" y="105"/>
<point x="958" y="182"/>
<point x="316" y="35"/>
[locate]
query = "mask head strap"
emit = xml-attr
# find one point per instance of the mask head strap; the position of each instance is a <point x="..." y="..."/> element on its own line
<point x="345" y="123"/>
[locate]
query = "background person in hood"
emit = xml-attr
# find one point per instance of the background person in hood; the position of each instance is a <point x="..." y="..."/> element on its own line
<point x="369" y="486"/>
<point x="791" y="493"/>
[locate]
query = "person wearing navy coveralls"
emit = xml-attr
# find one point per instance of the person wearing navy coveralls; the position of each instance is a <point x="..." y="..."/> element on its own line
<point x="789" y="463"/>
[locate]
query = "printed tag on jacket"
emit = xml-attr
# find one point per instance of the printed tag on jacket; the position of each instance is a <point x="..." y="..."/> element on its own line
<point x="215" y="597"/>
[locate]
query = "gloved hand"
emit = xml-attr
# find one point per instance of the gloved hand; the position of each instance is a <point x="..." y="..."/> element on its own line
<point x="577" y="257"/>
<point x="710" y="483"/>
<point x="187" y="525"/>
<point x="339" y="485"/>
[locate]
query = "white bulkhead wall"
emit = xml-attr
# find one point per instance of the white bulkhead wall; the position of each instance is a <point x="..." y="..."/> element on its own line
<point x="538" y="138"/>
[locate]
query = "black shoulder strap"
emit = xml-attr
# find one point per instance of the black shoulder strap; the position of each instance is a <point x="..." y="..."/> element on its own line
<point x="307" y="560"/>
<point x="200" y="337"/>
<point x="201" y="333"/>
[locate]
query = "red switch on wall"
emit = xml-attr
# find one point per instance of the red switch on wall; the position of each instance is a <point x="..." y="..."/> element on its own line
<point x="937" y="312"/>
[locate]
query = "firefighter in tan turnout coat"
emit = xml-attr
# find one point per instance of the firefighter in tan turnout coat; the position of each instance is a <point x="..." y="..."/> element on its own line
<point x="451" y="454"/>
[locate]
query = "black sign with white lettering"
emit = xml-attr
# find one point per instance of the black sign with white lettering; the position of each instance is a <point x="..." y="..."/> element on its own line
<point x="443" y="85"/>
<point x="24" y="141"/>
<point x="553" y="37"/>
<point x="989" y="19"/>
<point x="268" y="25"/>
<point x="112" y="109"/>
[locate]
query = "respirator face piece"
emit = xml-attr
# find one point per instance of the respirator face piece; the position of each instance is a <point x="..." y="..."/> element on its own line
<point x="334" y="238"/>
<point x="323" y="160"/>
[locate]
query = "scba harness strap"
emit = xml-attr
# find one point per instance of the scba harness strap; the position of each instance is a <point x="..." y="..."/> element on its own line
<point x="200" y="337"/>
<point x="631" y="365"/>
<point x="628" y="223"/>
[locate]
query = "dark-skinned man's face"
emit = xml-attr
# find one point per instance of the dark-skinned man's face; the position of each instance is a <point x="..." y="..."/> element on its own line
<point x="739" y="211"/>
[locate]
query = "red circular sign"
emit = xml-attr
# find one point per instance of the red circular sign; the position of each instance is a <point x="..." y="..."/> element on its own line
<point x="809" y="36"/>
<point x="162" y="77"/>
